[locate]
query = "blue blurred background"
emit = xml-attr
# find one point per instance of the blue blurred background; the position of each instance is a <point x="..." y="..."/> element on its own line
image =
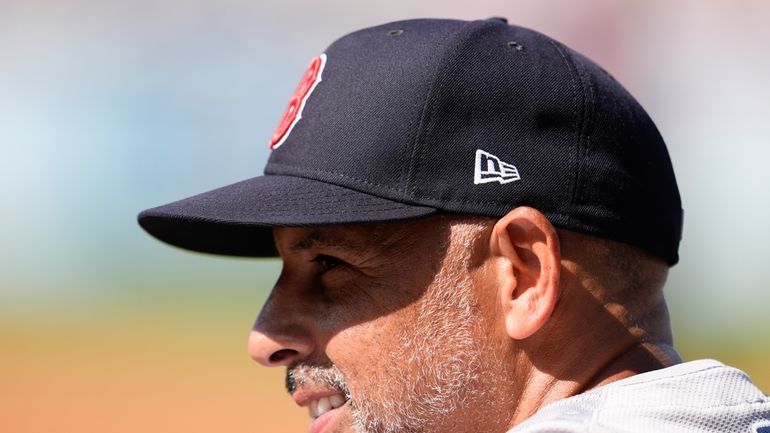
<point x="109" y="107"/>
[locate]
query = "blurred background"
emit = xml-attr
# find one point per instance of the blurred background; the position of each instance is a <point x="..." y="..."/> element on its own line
<point x="109" y="107"/>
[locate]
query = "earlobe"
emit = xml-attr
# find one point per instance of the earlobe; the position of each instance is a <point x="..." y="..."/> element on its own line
<point x="528" y="247"/>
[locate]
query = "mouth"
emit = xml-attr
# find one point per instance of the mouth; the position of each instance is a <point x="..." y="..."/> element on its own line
<point x="322" y="407"/>
<point x="318" y="407"/>
<point x="322" y="389"/>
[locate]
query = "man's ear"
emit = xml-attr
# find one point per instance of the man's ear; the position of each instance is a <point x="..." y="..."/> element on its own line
<point x="528" y="248"/>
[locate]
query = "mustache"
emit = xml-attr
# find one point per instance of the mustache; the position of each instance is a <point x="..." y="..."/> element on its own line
<point x="327" y="376"/>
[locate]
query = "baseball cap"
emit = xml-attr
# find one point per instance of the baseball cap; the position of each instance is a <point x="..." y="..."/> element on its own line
<point x="411" y="118"/>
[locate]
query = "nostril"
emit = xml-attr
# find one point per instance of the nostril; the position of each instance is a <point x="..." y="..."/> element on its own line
<point x="282" y="355"/>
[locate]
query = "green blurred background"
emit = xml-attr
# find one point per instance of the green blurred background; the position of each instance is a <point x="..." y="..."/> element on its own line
<point x="109" y="107"/>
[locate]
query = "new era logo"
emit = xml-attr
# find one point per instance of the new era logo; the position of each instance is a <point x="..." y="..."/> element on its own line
<point x="490" y="168"/>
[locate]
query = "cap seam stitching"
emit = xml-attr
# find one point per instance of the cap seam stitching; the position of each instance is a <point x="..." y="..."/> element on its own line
<point x="395" y="190"/>
<point x="195" y="218"/>
<point x="427" y="117"/>
<point x="574" y="153"/>
<point x="589" y="103"/>
<point x="333" y="173"/>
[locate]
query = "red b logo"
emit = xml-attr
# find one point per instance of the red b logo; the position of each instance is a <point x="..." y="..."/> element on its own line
<point x="293" y="112"/>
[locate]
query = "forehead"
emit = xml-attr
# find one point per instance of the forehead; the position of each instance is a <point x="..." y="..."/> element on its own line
<point x="361" y="237"/>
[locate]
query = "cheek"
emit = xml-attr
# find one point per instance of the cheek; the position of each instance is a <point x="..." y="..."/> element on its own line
<point x="366" y="340"/>
<point x="364" y="307"/>
<point x="366" y="324"/>
<point x="362" y="351"/>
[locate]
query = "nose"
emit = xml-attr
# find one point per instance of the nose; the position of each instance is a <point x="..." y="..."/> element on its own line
<point x="282" y="333"/>
<point x="270" y="351"/>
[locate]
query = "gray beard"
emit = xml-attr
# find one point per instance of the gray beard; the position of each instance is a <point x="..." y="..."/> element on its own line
<point x="444" y="345"/>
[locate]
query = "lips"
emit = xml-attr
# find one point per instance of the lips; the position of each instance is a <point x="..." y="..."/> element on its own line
<point x="322" y="389"/>
<point x="323" y="406"/>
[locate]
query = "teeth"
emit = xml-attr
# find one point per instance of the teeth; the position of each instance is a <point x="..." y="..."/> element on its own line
<point x="323" y="406"/>
<point x="319" y="407"/>
<point x="337" y="400"/>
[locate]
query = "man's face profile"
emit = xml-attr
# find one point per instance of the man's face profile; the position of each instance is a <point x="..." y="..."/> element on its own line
<point x="385" y="323"/>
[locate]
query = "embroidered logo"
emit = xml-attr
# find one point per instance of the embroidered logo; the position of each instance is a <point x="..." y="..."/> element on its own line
<point x="490" y="168"/>
<point x="293" y="112"/>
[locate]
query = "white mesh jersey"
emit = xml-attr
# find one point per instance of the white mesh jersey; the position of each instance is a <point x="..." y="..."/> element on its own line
<point x="702" y="396"/>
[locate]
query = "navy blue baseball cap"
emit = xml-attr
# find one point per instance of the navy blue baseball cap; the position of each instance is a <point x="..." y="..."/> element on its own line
<point x="411" y="118"/>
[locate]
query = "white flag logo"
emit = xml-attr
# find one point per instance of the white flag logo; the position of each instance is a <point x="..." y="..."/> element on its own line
<point x="490" y="168"/>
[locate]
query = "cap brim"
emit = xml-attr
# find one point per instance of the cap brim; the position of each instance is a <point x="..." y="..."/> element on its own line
<point x="237" y="219"/>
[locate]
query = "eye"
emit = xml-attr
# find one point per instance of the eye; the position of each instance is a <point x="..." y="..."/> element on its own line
<point x="327" y="263"/>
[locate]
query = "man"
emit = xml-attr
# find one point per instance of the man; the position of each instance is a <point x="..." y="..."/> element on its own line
<point x="476" y="224"/>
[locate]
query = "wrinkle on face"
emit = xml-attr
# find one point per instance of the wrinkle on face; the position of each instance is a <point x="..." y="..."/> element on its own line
<point x="451" y="364"/>
<point x="403" y="332"/>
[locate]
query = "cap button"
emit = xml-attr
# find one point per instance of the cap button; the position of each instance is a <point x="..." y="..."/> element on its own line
<point x="503" y="19"/>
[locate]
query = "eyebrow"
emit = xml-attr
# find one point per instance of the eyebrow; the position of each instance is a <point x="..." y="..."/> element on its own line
<point x="319" y="239"/>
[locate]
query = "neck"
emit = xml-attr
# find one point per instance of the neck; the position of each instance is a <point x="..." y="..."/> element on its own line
<point x="566" y="360"/>
<point x="543" y="388"/>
